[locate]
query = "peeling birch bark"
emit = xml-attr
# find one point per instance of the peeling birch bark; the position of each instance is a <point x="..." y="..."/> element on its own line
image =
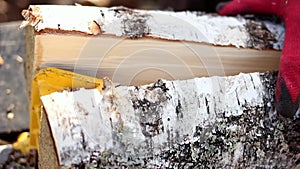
<point x="226" y="122"/>
<point x="133" y="23"/>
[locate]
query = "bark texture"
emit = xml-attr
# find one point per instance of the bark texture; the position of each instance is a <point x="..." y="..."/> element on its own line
<point x="132" y="23"/>
<point x="221" y="122"/>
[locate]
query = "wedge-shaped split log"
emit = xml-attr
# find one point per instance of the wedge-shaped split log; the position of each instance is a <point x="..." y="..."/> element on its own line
<point x="137" y="47"/>
<point x="203" y="122"/>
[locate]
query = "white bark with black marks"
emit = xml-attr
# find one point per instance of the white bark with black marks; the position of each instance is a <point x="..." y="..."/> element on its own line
<point x="185" y="26"/>
<point x="203" y="122"/>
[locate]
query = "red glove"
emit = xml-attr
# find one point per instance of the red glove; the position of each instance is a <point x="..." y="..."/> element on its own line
<point x="288" y="83"/>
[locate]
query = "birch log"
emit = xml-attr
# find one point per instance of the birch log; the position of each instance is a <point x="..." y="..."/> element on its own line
<point x="221" y="122"/>
<point x="215" y="122"/>
<point x="135" y="47"/>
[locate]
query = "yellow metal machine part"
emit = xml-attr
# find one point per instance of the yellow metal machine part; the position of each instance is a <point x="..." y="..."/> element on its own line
<point x="46" y="81"/>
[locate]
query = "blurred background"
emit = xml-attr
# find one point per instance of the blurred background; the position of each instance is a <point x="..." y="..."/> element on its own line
<point x="10" y="10"/>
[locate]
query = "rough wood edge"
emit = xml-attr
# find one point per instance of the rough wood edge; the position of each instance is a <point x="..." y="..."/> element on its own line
<point x="29" y="59"/>
<point x="47" y="157"/>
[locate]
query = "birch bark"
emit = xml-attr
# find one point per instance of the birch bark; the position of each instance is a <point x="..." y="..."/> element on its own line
<point x="203" y="122"/>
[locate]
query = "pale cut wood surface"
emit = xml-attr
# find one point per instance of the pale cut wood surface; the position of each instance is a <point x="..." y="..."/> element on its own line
<point x="226" y="122"/>
<point x="142" y="61"/>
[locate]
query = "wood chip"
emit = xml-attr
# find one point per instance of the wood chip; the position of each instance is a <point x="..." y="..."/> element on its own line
<point x="8" y="91"/>
<point x="10" y="115"/>
<point x="94" y="28"/>
<point x="1" y="60"/>
<point x="19" y="59"/>
<point x="10" y="107"/>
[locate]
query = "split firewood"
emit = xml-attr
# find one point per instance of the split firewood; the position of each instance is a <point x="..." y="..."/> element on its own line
<point x="198" y="123"/>
<point x="190" y="119"/>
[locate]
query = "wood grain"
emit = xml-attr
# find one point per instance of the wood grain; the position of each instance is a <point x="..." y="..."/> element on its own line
<point x="142" y="61"/>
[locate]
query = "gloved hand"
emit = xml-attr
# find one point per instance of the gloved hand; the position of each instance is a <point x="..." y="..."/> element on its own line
<point x="288" y="83"/>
